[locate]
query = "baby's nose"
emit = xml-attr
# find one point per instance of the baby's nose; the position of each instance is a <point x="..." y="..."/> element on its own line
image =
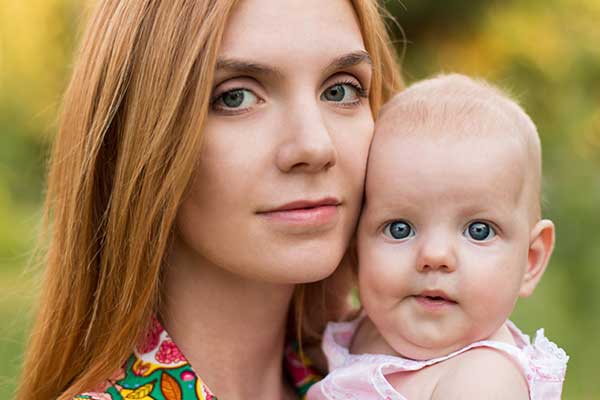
<point x="437" y="254"/>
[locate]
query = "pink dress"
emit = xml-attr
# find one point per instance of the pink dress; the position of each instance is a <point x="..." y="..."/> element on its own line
<point x="362" y="376"/>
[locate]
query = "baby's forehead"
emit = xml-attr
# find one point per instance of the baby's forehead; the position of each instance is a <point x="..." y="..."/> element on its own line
<point x="456" y="107"/>
<point x="479" y="128"/>
<point x="465" y="175"/>
<point x="454" y="112"/>
<point x="452" y="124"/>
<point x="457" y="104"/>
<point x="418" y="160"/>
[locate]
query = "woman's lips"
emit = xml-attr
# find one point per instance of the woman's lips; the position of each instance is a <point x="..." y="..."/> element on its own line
<point x="313" y="215"/>
<point x="305" y="212"/>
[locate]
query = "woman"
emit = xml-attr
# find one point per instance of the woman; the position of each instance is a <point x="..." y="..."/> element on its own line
<point x="207" y="174"/>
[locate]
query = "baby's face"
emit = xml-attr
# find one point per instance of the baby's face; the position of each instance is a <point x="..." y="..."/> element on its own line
<point x="443" y="239"/>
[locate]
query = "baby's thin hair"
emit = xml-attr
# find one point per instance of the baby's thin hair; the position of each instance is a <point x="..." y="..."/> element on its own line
<point x="458" y="101"/>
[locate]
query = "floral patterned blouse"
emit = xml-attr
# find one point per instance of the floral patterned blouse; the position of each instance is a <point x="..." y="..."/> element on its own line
<point x="158" y="370"/>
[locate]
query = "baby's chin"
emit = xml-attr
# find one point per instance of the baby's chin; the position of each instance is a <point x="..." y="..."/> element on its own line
<point x="423" y="349"/>
<point x="420" y="353"/>
<point x="416" y="345"/>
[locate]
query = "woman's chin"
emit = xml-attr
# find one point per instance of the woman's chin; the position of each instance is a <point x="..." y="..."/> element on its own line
<point x="302" y="270"/>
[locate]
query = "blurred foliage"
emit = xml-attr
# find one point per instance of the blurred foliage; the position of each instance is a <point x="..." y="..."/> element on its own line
<point x="545" y="53"/>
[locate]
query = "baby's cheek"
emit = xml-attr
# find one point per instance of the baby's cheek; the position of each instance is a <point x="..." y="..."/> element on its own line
<point x="381" y="273"/>
<point x="488" y="301"/>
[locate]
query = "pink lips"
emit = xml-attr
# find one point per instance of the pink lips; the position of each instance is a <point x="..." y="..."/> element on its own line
<point x="434" y="300"/>
<point x="305" y="212"/>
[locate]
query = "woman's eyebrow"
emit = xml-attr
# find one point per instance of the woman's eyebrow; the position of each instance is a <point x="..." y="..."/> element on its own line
<point x="349" y="60"/>
<point x="247" y="67"/>
<point x="242" y="66"/>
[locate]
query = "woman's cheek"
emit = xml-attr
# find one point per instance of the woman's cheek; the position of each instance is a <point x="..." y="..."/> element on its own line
<point x="353" y="148"/>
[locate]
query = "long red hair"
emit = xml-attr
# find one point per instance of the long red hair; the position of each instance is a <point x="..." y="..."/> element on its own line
<point x="120" y="164"/>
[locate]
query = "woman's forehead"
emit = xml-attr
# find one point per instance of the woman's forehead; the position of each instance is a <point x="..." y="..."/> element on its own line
<point x="278" y="32"/>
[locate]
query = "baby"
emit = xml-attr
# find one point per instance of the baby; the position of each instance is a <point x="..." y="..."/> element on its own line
<point x="449" y="237"/>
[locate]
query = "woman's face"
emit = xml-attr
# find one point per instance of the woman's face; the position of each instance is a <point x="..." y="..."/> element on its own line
<point x="279" y="181"/>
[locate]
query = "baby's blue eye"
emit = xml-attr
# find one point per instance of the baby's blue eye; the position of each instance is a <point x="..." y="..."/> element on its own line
<point x="399" y="230"/>
<point x="479" y="231"/>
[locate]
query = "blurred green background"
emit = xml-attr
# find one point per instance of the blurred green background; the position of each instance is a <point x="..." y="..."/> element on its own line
<point x="546" y="53"/>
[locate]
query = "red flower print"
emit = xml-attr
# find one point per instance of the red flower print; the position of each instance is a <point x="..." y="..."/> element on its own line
<point x="168" y="353"/>
<point x="152" y="337"/>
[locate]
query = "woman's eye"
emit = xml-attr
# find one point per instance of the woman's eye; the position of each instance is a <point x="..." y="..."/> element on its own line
<point x="399" y="230"/>
<point x="235" y="99"/>
<point x="343" y="93"/>
<point x="479" y="231"/>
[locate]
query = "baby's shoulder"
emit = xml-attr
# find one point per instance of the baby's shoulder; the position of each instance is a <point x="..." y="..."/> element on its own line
<point x="478" y="372"/>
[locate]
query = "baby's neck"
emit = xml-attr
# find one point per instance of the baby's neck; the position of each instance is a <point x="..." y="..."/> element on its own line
<point x="368" y="340"/>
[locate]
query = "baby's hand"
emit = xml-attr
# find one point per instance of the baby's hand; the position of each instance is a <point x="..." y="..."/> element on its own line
<point x="481" y="373"/>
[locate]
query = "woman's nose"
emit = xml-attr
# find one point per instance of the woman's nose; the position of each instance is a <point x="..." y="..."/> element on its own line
<point x="437" y="252"/>
<point x="308" y="146"/>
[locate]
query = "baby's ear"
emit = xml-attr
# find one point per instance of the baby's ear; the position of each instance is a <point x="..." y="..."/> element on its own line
<point x="541" y="244"/>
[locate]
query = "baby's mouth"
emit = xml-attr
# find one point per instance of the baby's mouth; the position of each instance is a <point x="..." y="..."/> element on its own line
<point x="434" y="297"/>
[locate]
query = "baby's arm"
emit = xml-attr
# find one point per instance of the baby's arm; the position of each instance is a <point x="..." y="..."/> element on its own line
<point x="481" y="373"/>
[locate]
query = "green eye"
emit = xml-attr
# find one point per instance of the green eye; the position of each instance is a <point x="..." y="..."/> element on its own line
<point x="343" y="93"/>
<point x="235" y="99"/>
<point x="335" y="93"/>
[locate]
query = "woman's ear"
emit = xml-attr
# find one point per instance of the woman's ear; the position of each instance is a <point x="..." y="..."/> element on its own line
<point x="541" y="244"/>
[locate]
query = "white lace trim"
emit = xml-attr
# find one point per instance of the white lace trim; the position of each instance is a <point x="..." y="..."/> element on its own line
<point x="542" y="361"/>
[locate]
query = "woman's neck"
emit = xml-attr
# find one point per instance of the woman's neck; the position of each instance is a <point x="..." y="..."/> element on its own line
<point x="231" y="329"/>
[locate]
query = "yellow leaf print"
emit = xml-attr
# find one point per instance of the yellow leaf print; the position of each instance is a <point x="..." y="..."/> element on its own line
<point x="140" y="393"/>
